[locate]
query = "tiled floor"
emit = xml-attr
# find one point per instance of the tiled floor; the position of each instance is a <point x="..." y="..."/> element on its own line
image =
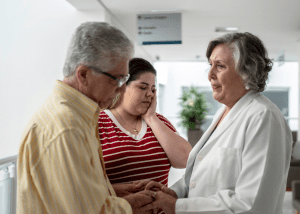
<point x="176" y="174"/>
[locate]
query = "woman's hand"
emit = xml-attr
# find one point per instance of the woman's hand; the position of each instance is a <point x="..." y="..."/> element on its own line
<point x="148" y="185"/>
<point x="151" y="109"/>
<point x="155" y="186"/>
<point x="176" y="147"/>
<point x="169" y="191"/>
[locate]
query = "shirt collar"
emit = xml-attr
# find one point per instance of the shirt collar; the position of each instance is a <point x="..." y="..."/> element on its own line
<point x="84" y="105"/>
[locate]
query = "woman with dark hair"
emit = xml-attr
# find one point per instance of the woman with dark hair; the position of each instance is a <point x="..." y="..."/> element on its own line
<point x="137" y="142"/>
<point x="240" y="164"/>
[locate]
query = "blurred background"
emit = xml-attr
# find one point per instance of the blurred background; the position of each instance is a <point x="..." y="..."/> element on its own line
<point x="35" y="34"/>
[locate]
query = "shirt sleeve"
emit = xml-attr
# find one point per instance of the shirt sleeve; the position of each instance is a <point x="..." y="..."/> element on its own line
<point x="265" y="162"/>
<point x="69" y="179"/>
<point x="167" y="122"/>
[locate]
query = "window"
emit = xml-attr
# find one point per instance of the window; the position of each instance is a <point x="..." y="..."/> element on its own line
<point x="280" y="97"/>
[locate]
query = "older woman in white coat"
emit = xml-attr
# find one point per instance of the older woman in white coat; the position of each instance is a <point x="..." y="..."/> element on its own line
<point x="240" y="164"/>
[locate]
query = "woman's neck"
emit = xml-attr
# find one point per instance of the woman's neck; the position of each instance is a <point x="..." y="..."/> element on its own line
<point x="125" y="115"/>
<point x="131" y="123"/>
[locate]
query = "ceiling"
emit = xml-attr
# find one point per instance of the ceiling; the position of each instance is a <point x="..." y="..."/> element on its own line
<point x="275" y="22"/>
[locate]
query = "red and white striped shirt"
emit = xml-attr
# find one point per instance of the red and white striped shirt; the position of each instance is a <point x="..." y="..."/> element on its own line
<point x="132" y="158"/>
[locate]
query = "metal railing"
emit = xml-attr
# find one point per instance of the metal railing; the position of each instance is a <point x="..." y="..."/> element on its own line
<point x="8" y="185"/>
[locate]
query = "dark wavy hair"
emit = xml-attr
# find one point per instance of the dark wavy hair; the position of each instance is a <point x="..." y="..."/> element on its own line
<point x="137" y="67"/>
<point x="250" y="56"/>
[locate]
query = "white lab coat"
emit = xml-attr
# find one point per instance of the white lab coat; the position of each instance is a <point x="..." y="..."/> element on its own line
<point x="243" y="166"/>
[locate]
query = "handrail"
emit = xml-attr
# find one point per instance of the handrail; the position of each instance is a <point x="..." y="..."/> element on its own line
<point x="3" y="166"/>
<point x="5" y="163"/>
<point x="8" y="160"/>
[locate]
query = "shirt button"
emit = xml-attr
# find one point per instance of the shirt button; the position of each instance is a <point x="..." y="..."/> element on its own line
<point x="193" y="184"/>
<point x="199" y="157"/>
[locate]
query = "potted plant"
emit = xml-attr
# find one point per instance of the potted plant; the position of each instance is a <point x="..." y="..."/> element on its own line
<point x="192" y="115"/>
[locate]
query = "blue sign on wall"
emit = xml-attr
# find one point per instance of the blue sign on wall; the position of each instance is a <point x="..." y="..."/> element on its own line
<point x="159" y="29"/>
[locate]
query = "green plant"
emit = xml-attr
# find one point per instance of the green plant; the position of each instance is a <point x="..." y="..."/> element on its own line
<point x="194" y="108"/>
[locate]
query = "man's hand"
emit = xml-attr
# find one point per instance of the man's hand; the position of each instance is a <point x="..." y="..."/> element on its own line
<point x="155" y="186"/>
<point x="165" y="198"/>
<point x="140" y="200"/>
<point x="140" y="185"/>
<point x="163" y="201"/>
<point x="124" y="189"/>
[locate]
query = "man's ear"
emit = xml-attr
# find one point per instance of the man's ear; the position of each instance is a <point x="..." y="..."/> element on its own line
<point x="82" y="73"/>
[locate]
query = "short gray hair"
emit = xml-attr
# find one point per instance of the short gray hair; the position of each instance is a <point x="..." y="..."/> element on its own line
<point x="96" y="44"/>
<point x="250" y="56"/>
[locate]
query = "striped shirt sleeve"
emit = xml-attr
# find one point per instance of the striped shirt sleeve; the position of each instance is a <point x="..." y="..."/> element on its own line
<point x="166" y="122"/>
<point x="68" y="178"/>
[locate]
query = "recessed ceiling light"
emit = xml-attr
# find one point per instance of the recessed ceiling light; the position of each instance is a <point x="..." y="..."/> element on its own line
<point x="231" y="28"/>
<point x="226" y="29"/>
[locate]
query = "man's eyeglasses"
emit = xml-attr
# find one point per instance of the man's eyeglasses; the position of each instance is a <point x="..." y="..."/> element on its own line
<point x="120" y="81"/>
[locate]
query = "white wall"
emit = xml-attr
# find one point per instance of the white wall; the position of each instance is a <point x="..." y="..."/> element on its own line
<point x="33" y="41"/>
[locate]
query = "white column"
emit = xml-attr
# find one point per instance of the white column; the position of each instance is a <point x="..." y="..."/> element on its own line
<point x="298" y="54"/>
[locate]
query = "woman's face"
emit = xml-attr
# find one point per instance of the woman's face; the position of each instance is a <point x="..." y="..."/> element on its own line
<point x="138" y="94"/>
<point x="228" y="87"/>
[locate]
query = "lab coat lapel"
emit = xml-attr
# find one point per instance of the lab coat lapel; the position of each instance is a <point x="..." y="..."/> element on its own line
<point x="231" y="117"/>
<point x="198" y="146"/>
<point x="228" y="120"/>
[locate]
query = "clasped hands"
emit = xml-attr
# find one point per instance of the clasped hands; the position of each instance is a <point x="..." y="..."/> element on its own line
<point x="147" y="197"/>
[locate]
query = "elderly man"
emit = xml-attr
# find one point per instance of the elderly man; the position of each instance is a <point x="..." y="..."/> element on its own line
<point x="60" y="164"/>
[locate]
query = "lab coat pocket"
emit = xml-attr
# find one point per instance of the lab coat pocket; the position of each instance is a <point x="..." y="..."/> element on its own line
<point x="224" y="167"/>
